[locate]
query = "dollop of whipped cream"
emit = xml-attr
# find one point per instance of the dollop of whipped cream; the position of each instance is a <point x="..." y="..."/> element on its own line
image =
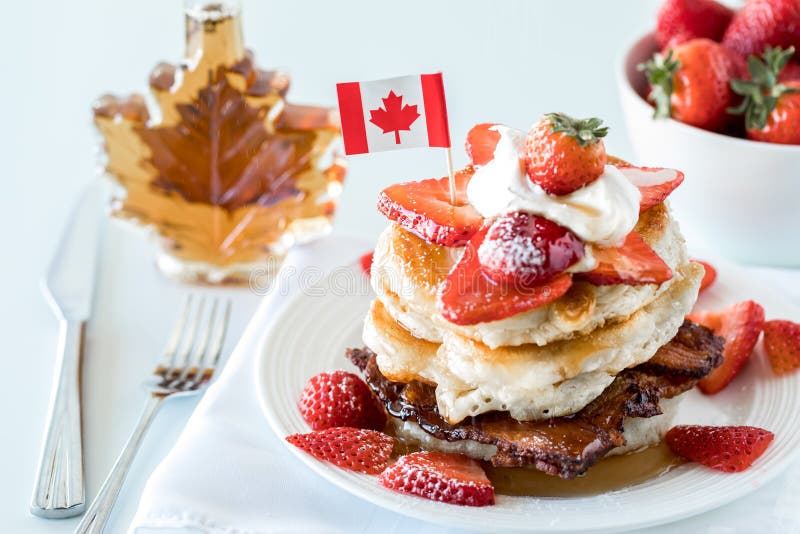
<point x="601" y="213"/>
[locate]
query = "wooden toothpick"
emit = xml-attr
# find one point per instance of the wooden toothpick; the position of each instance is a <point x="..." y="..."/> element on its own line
<point x="449" y="156"/>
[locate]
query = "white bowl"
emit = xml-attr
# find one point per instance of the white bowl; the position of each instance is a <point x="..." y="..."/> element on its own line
<point x="741" y="198"/>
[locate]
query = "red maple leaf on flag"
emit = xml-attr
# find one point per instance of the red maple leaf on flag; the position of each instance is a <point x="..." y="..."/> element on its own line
<point x="394" y="116"/>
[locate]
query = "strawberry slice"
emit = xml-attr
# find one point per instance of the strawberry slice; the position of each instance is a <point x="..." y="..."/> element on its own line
<point x="438" y="476"/>
<point x="481" y="142"/>
<point x="528" y="249"/>
<point x="469" y="294"/>
<point x="356" y="449"/>
<point x="424" y="209"/>
<point x="654" y="183"/>
<point x="709" y="276"/>
<point x="633" y="263"/>
<point x="782" y="345"/>
<point x="340" y="399"/>
<point x="740" y="325"/>
<point x="726" y="448"/>
<point x="365" y="262"/>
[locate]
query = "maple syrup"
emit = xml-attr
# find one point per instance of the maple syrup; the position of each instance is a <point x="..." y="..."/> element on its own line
<point x="229" y="174"/>
<point x="611" y="473"/>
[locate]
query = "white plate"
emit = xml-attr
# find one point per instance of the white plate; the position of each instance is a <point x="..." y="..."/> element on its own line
<point x="315" y="328"/>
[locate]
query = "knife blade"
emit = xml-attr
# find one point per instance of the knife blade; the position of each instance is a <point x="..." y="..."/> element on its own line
<point x="69" y="287"/>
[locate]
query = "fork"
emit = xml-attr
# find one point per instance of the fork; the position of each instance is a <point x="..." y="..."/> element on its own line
<point x="186" y="367"/>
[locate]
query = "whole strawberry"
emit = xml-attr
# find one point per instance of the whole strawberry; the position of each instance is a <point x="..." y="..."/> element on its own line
<point x="563" y="154"/>
<point x="790" y="72"/>
<point x="679" y="21"/>
<point x="726" y="448"/>
<point x="771" y="109"/>
<point x="782" y="345"/>
<point x="691" y="83"/>
<point x="340" y="399"/>
<point x="762" y="23"/>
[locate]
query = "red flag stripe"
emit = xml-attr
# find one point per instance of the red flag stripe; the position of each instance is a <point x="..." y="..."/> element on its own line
<point x="435" y="110"/>
<point x="354" y="131"/>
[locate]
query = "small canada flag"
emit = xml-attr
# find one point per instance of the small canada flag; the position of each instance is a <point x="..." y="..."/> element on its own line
<point x="403" y="112"/>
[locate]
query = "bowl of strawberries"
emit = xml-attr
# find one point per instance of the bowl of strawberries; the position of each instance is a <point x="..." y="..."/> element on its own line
<point x="716" y="93"/>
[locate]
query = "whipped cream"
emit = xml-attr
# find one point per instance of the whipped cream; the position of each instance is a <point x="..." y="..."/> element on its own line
<point x="602" y="212"/>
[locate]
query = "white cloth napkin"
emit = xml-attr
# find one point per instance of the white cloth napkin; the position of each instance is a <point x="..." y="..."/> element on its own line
<point x="228" y="473"/>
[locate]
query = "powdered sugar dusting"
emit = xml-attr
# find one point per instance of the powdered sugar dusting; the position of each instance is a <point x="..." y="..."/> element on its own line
<point x="515" y="252"/>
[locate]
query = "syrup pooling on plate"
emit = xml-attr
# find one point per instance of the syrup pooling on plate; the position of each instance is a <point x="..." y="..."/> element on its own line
<point x="610" y="474"/>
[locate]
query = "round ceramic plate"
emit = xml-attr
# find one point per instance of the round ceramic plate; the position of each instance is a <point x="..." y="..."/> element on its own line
<point x="317" y="326"/>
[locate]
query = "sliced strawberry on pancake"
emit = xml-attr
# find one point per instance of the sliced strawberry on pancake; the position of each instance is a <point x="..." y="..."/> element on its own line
<point x="633" y="263"/>
<point x="654" y="183"/>
<point x="528" y="249"/>
<point x="481" y="142"/>
<point x="469" y="295"/>
<point x="424" y="209"/>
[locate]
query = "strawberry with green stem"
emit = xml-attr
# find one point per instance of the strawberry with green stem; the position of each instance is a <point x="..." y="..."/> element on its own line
<point x="563" y="154"/>
<point x="771" y="109"/>
<point x="691" y="83"/>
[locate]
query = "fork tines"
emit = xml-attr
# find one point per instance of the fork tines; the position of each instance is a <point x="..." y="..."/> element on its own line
<point x="194" y="346"/>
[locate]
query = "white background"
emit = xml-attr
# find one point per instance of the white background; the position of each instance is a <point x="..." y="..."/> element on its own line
<point x="504" y="61"/>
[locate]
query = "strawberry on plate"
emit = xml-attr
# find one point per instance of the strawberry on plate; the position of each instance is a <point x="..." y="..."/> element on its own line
<point x="423" y="208"/>
<point x="356" y="449"/>
<point x="654" y="183"/>
<point x="528" y="249"/>
<point x="679" y="21"/>
<point x="726" y="448"/>
<point x="691" y="83"/>
<point x="739" y="325"/>
<point x="632" y="263"/>
<point x="481" y="142"/>
<point x="709" y="276"/>
<point x="439" y="476"/>
<point x="782" y="345"/>
<point x="469" y="294"/>
<point x="365" y="262"/>
<point x="762" y="23"/>
<point x="340" y="399"/>
<point x="563" y="154"/>
<point x="771" y="109"/>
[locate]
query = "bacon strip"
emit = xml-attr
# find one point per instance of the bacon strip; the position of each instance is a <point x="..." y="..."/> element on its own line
<point x="562" y="446"/>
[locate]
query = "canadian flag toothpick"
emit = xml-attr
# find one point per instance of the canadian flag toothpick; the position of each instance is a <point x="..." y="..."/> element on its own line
<point x="404" y="112"/>
<point x="394" y="113"/>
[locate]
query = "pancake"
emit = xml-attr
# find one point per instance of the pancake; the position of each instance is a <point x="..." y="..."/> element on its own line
<point x="407" y="271"/>
<point x="529" y="381"/>
<point x="562" y="446"/>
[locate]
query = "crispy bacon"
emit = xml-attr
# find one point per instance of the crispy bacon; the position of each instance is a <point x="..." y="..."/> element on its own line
<point x="562" y="446"/>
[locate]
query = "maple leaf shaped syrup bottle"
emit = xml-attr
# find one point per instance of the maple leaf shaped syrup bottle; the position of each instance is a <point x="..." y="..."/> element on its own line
<point x="230" y="174"/>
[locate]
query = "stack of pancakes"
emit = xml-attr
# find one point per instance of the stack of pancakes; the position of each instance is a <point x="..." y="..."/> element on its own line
<point x="557" y="387"/>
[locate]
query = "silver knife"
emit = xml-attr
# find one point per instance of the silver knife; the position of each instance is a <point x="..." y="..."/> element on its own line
<point x="68" y="286"/>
